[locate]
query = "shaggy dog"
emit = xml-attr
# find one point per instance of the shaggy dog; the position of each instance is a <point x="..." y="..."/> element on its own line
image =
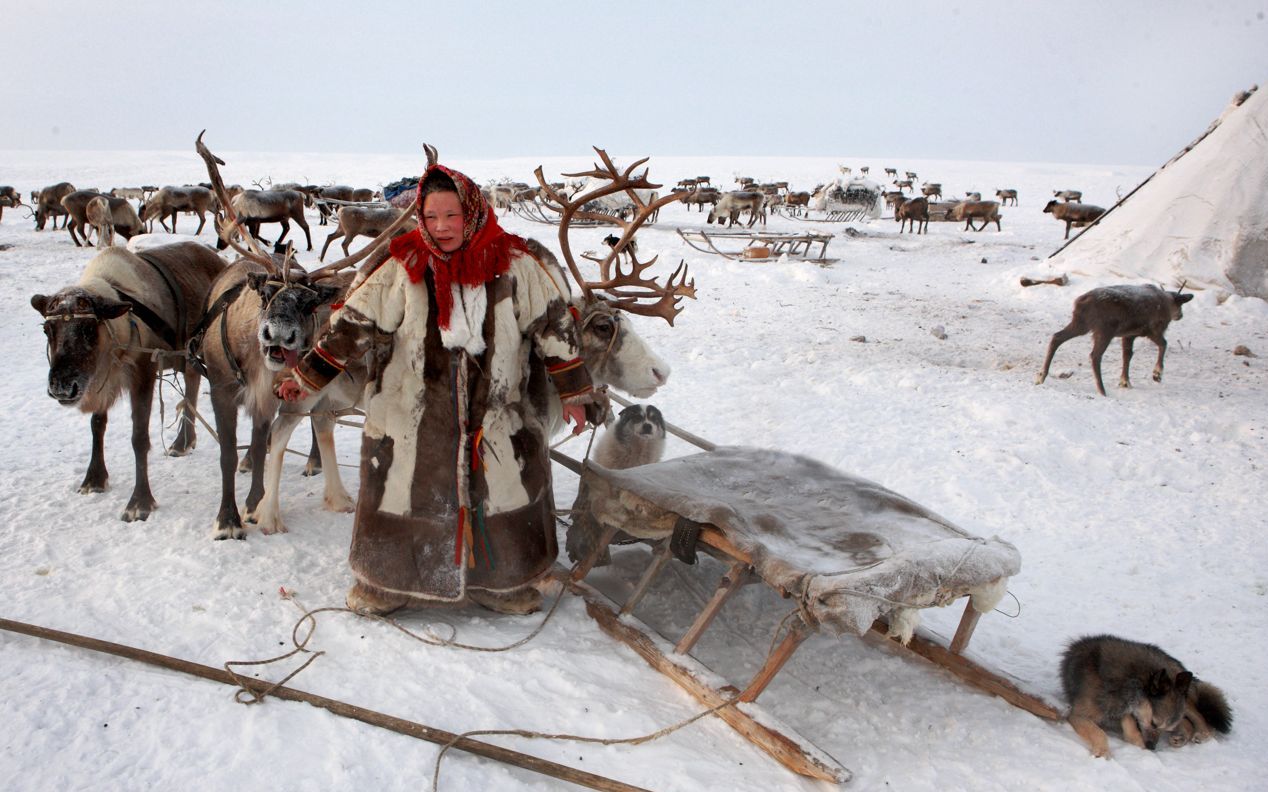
<point x="638" y="438"/>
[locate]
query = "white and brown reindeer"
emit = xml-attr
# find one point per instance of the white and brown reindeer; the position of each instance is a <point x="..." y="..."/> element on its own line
<point x="730" y="205"/>
<point x="127" y="318"/>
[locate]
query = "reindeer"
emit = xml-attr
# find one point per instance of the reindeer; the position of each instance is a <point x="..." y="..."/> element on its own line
<point x="912" y="213"/>
<point x="170" y="200"/>
<point x="49" y="204"/>
<point x="8" y="197"/>
<point x="891" y="173"/>
<point x="1069" y="196"/>
<point x="968" y="211"/>
<point x="912" y="176"/>
<point x="259" y="318"/>
<point x="701" y="196"/>
<point x="903" y="184"/>
<point x="931" y="191"/>
<point x="730" y="205"/>
<point x="129" y="193"/>
<point x="122" y="218"/>
<point x="340" y="193"/>
<point x="101" y="220"/>
<point x="254" y="207"/>
<point x="357" y="221"/>
<point x="1073" y="214"/>
<point x="797" y="202"/>
<point x="127" y="318"/>
<point x="1126" y="312"/>
<point x="1005" y="196"/>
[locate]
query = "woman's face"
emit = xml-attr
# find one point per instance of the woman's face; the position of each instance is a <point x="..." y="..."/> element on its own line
<point x="442" y="217"/>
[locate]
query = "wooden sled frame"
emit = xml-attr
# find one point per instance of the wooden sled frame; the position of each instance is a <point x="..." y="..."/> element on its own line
<point x="839" y="215"/>
<point x="779" y="242"/>
<point x="782" y="743"/>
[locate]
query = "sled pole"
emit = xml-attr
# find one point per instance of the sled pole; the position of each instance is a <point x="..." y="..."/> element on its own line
<point x="398" y="725"/>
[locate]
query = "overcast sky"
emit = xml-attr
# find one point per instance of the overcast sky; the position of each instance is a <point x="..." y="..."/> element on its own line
<point x="1123" y="82"/>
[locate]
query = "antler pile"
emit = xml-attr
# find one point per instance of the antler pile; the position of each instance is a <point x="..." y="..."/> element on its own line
<point x="257" y="255"/>
<point x="630" y="289"/>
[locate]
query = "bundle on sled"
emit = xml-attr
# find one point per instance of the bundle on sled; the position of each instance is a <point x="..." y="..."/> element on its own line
<point x="854" y="555"/>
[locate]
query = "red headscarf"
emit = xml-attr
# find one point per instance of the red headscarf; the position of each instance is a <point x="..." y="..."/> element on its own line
<point x="486" y="250"/>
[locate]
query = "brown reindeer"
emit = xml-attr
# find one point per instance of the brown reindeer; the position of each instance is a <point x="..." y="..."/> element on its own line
<point x="1073" y="214"/>
<point x="127" y="318"/>
<point x="701" y="196"/>
<point x="8" y="197"/>
<point x="338" y="193"/>
<point x="968" y="211"/>
<point x="1005" y="196"/>
<point x="1126" y="312"/>
<point x="49" y="204"/>
<point x="913" y="213"/>
<point x="123" y="219"/>
<point x="354" y="221"/>
<point x="254" y="207"/>
<point x="169" y="201"/>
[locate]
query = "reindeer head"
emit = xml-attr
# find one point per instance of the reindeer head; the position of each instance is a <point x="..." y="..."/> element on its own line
<point x="1178" y="299"/>
<point x="288" y="316"/>
<point x="78" y="337"/>
<point x="612" y="351"/>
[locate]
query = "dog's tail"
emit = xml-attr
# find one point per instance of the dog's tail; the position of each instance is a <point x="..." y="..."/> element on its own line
<point x="1211" y="705"/>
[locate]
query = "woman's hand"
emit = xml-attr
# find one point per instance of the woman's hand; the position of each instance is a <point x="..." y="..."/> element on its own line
<point x="287" y="389"/>
<point x="575" y="413"/>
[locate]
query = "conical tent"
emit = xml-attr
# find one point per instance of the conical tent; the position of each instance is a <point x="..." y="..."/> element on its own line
<point x="1201" y="218"/>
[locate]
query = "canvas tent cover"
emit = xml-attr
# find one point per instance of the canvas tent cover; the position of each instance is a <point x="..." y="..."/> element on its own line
<point x="1202" y="217"/>
<point x="849" y="549"/>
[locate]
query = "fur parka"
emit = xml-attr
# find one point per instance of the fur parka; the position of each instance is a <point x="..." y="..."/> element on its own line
<point x="442" y="506"/>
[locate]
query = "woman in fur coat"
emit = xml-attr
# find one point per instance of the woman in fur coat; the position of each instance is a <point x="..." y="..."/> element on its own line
<point x="470" y="328"/>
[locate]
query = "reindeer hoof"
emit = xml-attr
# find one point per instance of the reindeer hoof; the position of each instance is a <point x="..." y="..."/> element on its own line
<point x="1157" y="376"/>
<point x="312" y="469"/>
<point x="88" y="488"/>
<point x="1178" y="739"/>
<point x="273" y="526"/>
<point x="228" y="532"/>
<point x="138" y="509"/>
<point x="339" y="503"/>
<point x="1039" y="378"/>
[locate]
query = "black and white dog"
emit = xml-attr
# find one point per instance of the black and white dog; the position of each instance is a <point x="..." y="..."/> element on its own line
<point x="637" y="438"/>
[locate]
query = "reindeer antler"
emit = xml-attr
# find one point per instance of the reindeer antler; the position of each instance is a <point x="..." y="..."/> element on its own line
<point x="231" y="220"/>
<point x="634" y="298"/>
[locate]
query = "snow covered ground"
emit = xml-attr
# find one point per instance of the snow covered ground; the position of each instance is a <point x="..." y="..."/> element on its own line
<point x="1136" y="514"/>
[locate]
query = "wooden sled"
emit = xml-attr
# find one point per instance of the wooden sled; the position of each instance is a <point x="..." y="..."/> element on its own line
<point x="773" y="243"/>
<point x="539" y="211"/>
<point x="609" y="502"/>
<point x="843" y="213"/>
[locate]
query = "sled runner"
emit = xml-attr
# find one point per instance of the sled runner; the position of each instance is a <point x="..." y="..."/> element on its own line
<point x="850" y="555"/>
<point x="772" y="244"/>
